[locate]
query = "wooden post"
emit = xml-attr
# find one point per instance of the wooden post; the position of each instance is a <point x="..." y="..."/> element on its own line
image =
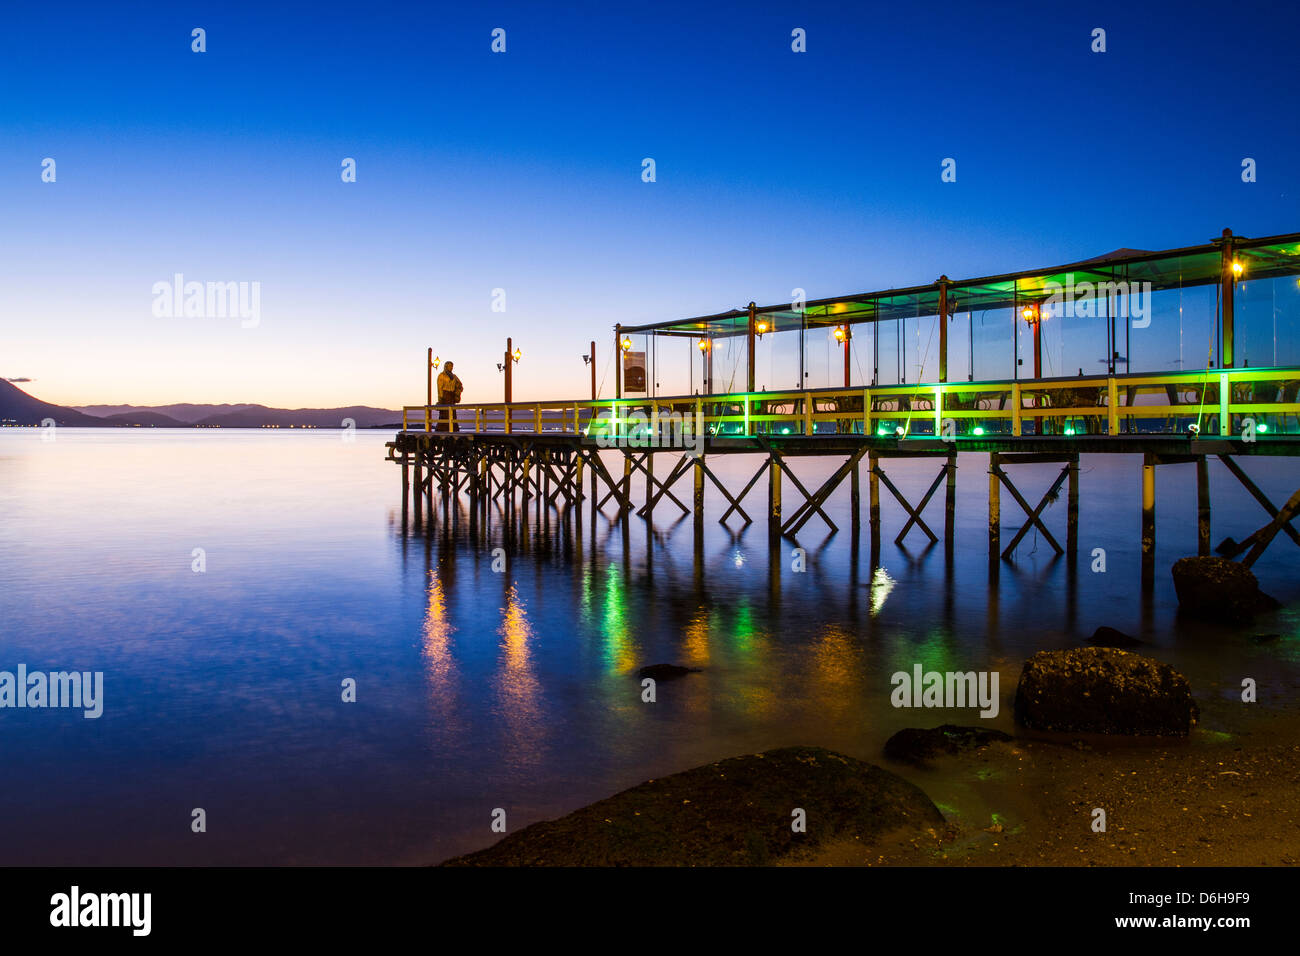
<point x="618" y="361"/>
<point x="873" y="495"/>
<point x="995" y="508"/>
<point x="749" y="376"/>
<point x="1112" y="406"/>
<point x="1228" y="282"/>
<point x="1148" y="518"/>
<point x="848" y="339"/>
<point x="428" y="390"/>
<point x="406" y="483"/>
<point x="698" y="503"/>
<point x="627" y="481"/>
<point x="773" y="498"/>
<point x="950" y="502"/>
<point x="509" y="363"/>
<point x="1202" y="507"/>
<point x="650" y="485"/>
<point x="855" y="497"/>
<point x="592" y="363"/>
<point x="1072" y="511"/>
<point x="418" y="497"/>
<point x="943" y="328"/>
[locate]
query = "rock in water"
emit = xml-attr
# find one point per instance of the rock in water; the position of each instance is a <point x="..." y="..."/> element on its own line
<point x="666" y="671"/>
<point x="1226" y="546"/>
<point x="1218" y="588"/>
<point x="915" y="746"/>
<point x="1109" y="637"/>
<point x="1103" y="690"/>
<point x="736" y="812"/>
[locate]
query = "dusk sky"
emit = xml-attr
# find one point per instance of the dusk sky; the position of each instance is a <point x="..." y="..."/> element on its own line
<point x="522" y="170"/>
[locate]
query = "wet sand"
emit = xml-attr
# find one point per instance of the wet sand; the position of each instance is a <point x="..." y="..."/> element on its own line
<point x="1212" y="799"/>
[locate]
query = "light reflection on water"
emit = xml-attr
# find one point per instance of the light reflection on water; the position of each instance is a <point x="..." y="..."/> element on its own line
<point x="518" y="689"/>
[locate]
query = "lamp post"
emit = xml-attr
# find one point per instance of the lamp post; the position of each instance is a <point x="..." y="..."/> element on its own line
<point x="428" y="375"/>
<point x="590" y="359"/>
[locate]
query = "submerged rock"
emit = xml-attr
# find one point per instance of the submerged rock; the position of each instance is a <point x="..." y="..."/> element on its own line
<point x="1109" y="637"/>
<point x="666" y="671"/>
<point x="1103" y="690"/>
<point x="916" y="746"/>
<point x="736" y="812"/>
<point x="1226" y="546"/>
<point x="1218" y="588"/>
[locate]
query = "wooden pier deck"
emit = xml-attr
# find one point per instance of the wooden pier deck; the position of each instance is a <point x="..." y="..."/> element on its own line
<point x="562" y="454"/>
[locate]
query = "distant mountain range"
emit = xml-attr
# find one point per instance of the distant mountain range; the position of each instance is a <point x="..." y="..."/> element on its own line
<point x="19" y="408"/>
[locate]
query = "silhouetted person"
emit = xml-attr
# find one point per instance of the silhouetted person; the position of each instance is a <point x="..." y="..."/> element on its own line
<point x="449" y="389"/>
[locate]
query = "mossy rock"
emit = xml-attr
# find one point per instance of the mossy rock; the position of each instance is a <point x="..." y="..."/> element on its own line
<point x="918" y="747"/>
<point x="1219" y="589"/>
<point x="1103" y="690"/>
<point x="736" y="812"/>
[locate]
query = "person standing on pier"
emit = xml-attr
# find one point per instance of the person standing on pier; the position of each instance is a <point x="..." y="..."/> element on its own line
<point x="449" y="389"/>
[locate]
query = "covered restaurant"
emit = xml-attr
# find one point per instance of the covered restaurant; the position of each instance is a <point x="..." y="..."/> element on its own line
<point x="1129" y="341"/>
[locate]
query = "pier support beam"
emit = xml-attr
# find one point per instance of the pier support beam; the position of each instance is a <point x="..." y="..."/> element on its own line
<point x="998" y="476"/>
<point x="773" y="499"/>
<point x="1148" y="519"/>
<point x="1259" y="496"/>
<point x="1202" y="507"/>
<point x="950" y="504"/>
<point x="698" y="501"/>
<point x="995" y="509"/>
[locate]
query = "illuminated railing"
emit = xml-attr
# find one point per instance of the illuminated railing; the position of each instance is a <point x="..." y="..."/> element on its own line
<point x="1213" y="402"/>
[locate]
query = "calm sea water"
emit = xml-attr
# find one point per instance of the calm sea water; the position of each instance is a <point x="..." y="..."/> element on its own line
<point x="479" y="689"/>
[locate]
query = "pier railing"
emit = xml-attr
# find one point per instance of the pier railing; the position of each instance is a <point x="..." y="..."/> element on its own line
<point x="1212" y="402"/>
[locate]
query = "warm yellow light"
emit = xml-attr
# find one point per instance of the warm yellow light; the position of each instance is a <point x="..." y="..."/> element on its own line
<point x="704" y="345"/>
<point x="840" y="333"/>
<point x="1028" y="313"/>
<point x="760" y="328"/>
<point x="1237" y="267"/>
<point x="519" y="353"/>
<point x="626" y="343"/>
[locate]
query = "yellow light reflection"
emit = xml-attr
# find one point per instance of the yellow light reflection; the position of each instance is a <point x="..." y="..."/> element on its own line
<point x="517" y="689"/>
<point x="881" y="585"/>
<point x="440" y="660"/>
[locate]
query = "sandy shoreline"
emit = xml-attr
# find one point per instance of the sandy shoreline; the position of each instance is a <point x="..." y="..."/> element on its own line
<point x="1211" y="800"/>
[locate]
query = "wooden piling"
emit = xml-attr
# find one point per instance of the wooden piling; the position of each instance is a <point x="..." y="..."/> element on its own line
<point x="1202" y="507"/>
<point x="1072" y="512"/>
<point x="873" y="496"/>
<point x="418" y="497"/>
<point x="1148" y="518"/>
<point x="855" y="498"/>
<point x="698" y="503"/>
<point x="650" y="485"/>
<point x="950" y="503"/>
<point x="995" y="508"/>
<point x="773" y="498"/>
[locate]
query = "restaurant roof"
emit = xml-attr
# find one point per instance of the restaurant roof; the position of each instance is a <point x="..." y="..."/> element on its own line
<point x="1171" y="268"/>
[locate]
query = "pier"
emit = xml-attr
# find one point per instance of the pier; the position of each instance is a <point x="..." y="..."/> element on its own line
<point x="570" y="453"/>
